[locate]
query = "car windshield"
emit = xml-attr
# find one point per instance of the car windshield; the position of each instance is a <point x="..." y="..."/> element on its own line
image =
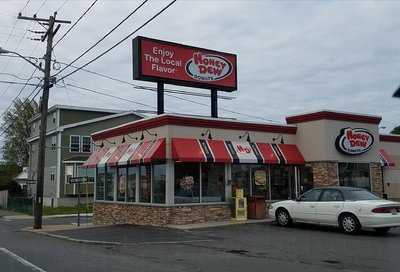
<point x="359" y="195"/>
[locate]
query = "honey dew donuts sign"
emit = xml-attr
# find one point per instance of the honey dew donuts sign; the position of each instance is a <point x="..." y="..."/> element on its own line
<point x="161" y="61"/>
<point x="354" y="141"/>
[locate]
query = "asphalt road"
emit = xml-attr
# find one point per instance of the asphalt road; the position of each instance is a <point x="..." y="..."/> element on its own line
<point x="255" y="247"/>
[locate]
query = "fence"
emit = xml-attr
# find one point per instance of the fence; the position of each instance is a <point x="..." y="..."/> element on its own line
<point x="20" y="204"/>
<point x="3" y="199"/>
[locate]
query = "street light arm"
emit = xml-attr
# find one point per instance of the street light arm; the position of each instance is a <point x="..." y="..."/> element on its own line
<point x="4" y="51"/>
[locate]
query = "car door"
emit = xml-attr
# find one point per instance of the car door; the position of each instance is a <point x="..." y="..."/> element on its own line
<point x="303" y="209"/>
<point x="329" y="206"/>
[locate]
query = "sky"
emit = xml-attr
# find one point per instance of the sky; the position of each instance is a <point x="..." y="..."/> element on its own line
<point x="293" y="56"/>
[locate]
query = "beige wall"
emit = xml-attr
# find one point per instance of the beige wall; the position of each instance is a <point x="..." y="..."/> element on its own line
<point x="316" y="140"/>
<point x="391" y="175"/>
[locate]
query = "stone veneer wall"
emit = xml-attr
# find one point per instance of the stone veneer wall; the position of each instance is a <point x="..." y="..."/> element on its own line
<point x="114" y="213"/>
<point x="376" y="178"/>
<point x="325" y="173"/>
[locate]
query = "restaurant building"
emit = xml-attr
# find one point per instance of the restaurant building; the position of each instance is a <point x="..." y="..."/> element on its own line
<point x="177" y="169"/>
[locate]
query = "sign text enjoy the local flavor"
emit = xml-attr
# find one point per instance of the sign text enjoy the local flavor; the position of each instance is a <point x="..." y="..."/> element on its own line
<point x="354" y="141"/>
<point x="155" y="60"/>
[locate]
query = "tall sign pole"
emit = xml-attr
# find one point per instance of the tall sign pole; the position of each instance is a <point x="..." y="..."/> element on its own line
<point x="49" y="35"/>
<point x="214" y="103"/>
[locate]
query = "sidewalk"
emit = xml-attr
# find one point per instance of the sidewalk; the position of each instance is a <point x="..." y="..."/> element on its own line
<point x="4" y="213"/>
<point x="26" y="216"/>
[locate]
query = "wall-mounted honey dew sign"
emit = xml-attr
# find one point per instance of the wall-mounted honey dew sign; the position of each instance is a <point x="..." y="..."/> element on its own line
<point x="240" y="205"/>
<point x="173" y="63"/>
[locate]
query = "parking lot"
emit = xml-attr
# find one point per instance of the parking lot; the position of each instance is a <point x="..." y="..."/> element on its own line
<point x="232" y="248"/>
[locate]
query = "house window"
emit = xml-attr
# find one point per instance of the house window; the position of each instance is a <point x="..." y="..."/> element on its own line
<point x="159" y="183"/>
<point x="53" y="142"/>
<point x="52" y="174"/>
<point x="86" y="144"/>
<point x="355" y="175"/>
<point x="54" y="117"/>
<point x="74" y="143"/>
<point x="187" y="183"/>
<point x="212" y="182"/>
<point x="69" y="172"/>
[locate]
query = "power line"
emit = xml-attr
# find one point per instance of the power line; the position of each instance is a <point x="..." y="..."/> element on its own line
<point x="121" y="41"/>
<point x="105" y="36"/>
<point x="16" y="83"/>
<point x="77" y="21"/>
<point x="109" y="95"/>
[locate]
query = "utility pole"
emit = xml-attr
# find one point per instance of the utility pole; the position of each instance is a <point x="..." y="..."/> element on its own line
<point x="49" y="34"/>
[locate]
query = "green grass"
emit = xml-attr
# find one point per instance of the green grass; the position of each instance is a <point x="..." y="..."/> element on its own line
<point x="67" y="210"/>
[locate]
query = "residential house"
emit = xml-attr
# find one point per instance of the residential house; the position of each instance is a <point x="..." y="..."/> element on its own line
<point x="68" y="145"/>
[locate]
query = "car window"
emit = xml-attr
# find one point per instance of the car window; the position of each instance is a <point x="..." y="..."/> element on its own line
<point x="312" y="195"/>
<point x="331" y="195"/>
<point x="359" y="194"/>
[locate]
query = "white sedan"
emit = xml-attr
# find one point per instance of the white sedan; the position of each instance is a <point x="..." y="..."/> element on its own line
<point x="347" y="207"/>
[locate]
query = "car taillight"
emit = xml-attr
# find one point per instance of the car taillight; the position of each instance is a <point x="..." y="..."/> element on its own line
<point x="386" y="210"/>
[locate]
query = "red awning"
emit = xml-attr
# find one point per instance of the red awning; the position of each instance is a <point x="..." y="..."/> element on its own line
<point x="156" y="152"/>
<point x="95" y="157"/>
<point x="201" y="150"/>
<point x="103" y="161"/>
<point x="116" y="156"/>
<point x="268" y="153"/>
<point x="187" y="150"/>
<point x="385" y="158"/>
<point x="140" y="152"/>
<point x="290" y="154"/>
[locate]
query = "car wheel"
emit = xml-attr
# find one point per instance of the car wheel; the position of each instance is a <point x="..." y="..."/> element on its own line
<point x="283" y="217"/>
<point x="349" y="224"/>
<point x="382" y="230"/>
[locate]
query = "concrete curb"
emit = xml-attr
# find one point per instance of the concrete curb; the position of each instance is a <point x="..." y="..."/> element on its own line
<point x="16" y="217"/>
<point x="96" y="242"/>
<point x="218" y="224"/>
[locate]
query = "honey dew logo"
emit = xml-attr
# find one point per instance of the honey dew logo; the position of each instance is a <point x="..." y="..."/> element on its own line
<point x="207" y="67"/>
<point x="354" y="141"/>
<point x="243" y="149"/>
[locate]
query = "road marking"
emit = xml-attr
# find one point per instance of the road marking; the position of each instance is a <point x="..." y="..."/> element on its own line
<point x="21" y="260"/>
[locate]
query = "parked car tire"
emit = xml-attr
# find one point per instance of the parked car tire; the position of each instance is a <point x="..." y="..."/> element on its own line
<point x="382" y="230"/>
<point x="283" y="217"/>
<point x="349" y="223"/>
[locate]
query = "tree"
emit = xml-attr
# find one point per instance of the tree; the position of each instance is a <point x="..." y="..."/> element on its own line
<point x="396" y="130"/>
<point x="15" y="131"/>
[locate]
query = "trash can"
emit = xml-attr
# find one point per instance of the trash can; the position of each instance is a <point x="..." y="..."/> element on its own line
<point x="256" y="207"/>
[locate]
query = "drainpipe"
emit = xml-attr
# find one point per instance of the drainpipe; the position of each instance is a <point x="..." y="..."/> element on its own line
<point x="384" y="195"/>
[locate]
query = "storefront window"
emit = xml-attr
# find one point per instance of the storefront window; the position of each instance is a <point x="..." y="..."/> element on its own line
<point x="159" y="183"/>
<point x="187" y="183"/>
<point x="110" y="177"/>
<point x="145" y="184"/>
<point x="131" y="184"/>
<point x="88" y="173"/>
<point x="121" y="184"/>
<point x="241" y="178"/>
<point x="100" y="180"/>
<point x="259" y="181"/>
<point x="355" y="175"/>
<point x="213" y="182"/>
<point x="282" y="182"/>
<point x="306" y="179"/>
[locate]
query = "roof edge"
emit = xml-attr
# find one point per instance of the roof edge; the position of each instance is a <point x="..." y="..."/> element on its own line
<point x="389" y="138"/>
<point x="333" y="115"/>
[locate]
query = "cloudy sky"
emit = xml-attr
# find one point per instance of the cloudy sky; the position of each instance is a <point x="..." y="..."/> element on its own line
<point x="293" y="57"/>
